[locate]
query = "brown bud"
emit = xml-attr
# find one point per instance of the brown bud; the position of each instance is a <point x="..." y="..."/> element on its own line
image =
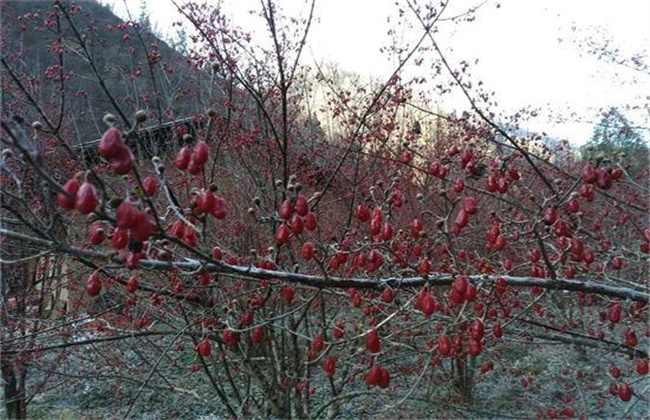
<point x="140" y="116"/>
<point x="109" y="119"/>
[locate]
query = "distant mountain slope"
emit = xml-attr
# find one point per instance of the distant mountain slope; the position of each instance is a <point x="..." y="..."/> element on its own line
<point x="97" y="61"/>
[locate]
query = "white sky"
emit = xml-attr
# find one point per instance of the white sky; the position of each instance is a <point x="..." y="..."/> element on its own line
<point x="521" y="57"/>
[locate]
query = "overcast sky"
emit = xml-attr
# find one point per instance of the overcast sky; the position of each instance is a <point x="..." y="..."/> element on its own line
<point x="528" y="50"/>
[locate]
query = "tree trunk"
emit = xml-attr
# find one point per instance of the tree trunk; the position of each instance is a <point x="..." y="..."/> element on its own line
<point x="15" y="402"/>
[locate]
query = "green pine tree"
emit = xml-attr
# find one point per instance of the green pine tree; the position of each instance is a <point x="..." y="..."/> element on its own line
<point x="615" y="141"/>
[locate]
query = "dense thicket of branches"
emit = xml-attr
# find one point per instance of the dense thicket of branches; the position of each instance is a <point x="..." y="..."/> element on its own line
<point x="296" y="271"/>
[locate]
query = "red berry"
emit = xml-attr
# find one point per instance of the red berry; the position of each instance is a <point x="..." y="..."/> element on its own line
<point x="93" y="285"/>
<point x="362" y="213"/>
<point x="329" y="365"/>
<point x="86" y="199"/>
<point x="477" y="329"/>
<point x="310" y="221"/>
<point x="282" y="235"/>
<point x="125" y="215"/>
<point x="625" y="392"/>
<point x="150" y="185"/>
<point x="318" y="344"/>
<point x="67" y="197"/>
<point x="387" y="295"/>
<point x="550" y="215"/>
<point x="257" y="334"/>
<point x="444" y="345"/>
<point x="286" y="209"/>
<point x="111" y="144"/>
<point x="204" y="348"/>
<point x="200" y="153"/>
<point x="603" y="179"/>
<point x="119" y="238"/>
<point x="462" y="219"/>
<point x="288" y="294"/>
<point x="132" y="284"/>
<point x="307" y="251"/>
<point x="589" y="174"/>
<point x="475" y="347"/>
<point x="642" y="366"/>
<point x="183" y="158"/>
<point x="297" y="224"/>
<point x="372" y="342"/>
<point x="123" y="163"/>
<point x="96" y="233"/>
<point x="470" y="205"/>
<point x="302" y="207"/>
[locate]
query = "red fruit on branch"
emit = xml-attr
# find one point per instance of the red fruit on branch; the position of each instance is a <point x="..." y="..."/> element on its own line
<point x="491" y="183"/>
<point x="93" y="284"/>
<point x="387" y="295"/>
<point x="603" y="179"/>
<point x="475" y="347"/>
<point x="470" y="205"/>
<point x="497" y="330"/>
<point x="310" y="221"/>
<point x="111" y="144"/>
<point x="629" y="337"/>
<point x="375" y="226"/>
<point x="642" y="366"/>
<point x="182" y="160"/>
<point x="302" y="206"/>
<point x="459" y="185"/>
<point x="150" y="185"/>
<point x="86" y="200"/>
<point x="125" y="215"/>
<point x="119" y="238"/>
<point x="477" y="329"/>
<point x="257" y="334"/>
<point x="589" y="173"/>
<point x="462" y="219"/>
<point x="216" y="253"/>
<point x="416" y="228"/>
<point x="329" y="365"/>
<point x="486" y="366"/>
<point x="230" y="337"/>
<point x="143" y="227"/>
<point x="384" y="378"/>
<point x="204" y="348"/>
<point x="132" y="284"/>
<point x="318" y="344"/>
<point x="124" y="162"/>
<point x="444" y="345"/>
<point x="424" y="268"/>
<point x="374" y="376"/>
<point x="372" y="342"/>
<point x="573" y="205"/>
<point x="297" y="224"/>
<point x="307" y="251"/>
<point x="286" y="209"/>
<point x="502" y="185"/>
<point x="200" y="153"/>
<point x="614" y="313"/>
<point x="96" y="233"/>
<point x="282" y="235"/>
<point x="625" y="392"/>
<point x="339" y="331"/>
<point x="362" y="213"/>
<point x="288" y="294"/>
<point x="67" y="197"/>
<point x="550" y="215"/>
